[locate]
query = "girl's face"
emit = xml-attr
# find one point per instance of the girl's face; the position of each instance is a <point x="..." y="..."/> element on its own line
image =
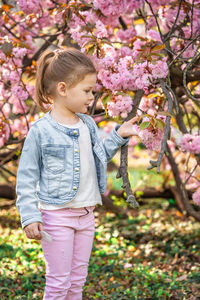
<point x="78" y="98"/>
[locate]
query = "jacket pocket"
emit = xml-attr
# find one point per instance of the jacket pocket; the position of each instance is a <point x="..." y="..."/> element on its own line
<point x="54" y="158"/>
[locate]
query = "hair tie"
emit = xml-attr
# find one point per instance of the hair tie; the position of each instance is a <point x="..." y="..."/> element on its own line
<point x="57" y="50"/>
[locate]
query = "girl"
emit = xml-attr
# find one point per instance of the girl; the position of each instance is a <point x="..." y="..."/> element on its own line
<point x="62" y="170"/>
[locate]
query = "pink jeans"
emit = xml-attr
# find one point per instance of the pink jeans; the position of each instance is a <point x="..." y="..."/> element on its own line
<point x="67" y="256"/>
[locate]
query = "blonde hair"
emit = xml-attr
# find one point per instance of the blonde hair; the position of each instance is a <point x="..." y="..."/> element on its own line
<point x="69" y="65"/>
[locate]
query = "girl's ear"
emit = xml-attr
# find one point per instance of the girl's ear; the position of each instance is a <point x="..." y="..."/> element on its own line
<point x="62" y="88"/>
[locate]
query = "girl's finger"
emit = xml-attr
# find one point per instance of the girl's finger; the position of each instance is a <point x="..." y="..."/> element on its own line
<point x="134" y="119"/>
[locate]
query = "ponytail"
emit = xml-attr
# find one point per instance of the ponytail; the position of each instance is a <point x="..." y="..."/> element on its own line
<point x="41" y="95"/>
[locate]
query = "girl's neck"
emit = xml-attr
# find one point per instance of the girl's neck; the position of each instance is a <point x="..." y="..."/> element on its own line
<point x="64" y="119"/>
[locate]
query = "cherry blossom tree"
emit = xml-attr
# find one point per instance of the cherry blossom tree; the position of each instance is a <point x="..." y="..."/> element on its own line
<point x="147" y="55"/>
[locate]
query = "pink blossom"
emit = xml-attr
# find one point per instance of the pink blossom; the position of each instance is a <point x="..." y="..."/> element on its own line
<point x="29" y="6"/>
<point x="124" y="51"/>
<point x="190" y="143"/>
<point x="6" y="109"/>
<point x="31" y="89"/>
<point x="127" y="265"/>
<point x="77" y="36"/>
<point x="4" y="133"/>
<point x="19" y="52"/>
<point x="19" y="92"/>
<point x="196" y="196"/>
<point x="109" y="126"/>
<point x="100" y="30"/>
<point x="98" y="87"/>
<point x="133" y="141"/>
<point x="151" y="140"/>
<point x="121" y="105"/>
<point x="110" y="8"/>
<point x="154" y="35"/>
<point x="19" y="106"/>
<point x="117" y="7"/>
<point x="160" y="69"/>
<point x="151" y="22"/>
<point x="127" y="34"/>
<point x="19" y="126"/>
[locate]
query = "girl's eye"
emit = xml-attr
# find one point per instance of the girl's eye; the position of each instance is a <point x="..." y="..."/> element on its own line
<point x="89" y="91"/>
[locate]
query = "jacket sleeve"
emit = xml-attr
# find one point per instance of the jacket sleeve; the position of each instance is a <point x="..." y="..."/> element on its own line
<point x="28" y="175"/>
<point x="112" y="142"/>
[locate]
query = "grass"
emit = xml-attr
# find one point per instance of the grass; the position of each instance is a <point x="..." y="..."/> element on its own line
<point x="152" y="254"/>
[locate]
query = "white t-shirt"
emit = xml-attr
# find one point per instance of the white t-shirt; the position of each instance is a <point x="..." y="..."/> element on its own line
<point x="88" y="192"/>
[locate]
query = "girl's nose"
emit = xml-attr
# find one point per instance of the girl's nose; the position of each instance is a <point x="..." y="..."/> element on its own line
<point x="91" y="102"/>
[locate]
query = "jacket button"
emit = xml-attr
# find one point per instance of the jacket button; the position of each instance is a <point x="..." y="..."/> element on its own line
<point x="76" y="150"/>
<point x="75" y="132"/>
<point x="74" y="187"/>
<point x="76" y="169"/>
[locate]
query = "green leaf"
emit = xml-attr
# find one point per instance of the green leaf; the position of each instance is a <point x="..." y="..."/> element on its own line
<point x="160" y="124"/>
<point x="158" y="47"/>
<point x="144" y="125"/>
<point x="91" y="50"/>
<point x="164" y="113"/>
<point x="106" y="99"/>
<point x="7" y="48"/>
<point x="156" y="54"/>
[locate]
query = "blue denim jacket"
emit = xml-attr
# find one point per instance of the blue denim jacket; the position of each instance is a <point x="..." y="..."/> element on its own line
<point x="50" y="160"/>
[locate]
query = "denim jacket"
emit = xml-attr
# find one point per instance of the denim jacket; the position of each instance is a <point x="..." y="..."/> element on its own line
<point x="50" y="160"/>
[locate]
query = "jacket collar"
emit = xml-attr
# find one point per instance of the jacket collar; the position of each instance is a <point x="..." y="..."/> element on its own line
<point x="72" y="131"/>
<point x="69" y="131"/>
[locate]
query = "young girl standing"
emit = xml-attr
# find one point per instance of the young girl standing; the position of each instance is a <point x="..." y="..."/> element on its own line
<point x="62" y="170"/>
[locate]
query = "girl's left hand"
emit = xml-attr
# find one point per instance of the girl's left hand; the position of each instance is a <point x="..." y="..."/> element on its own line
<point x="127" y="129"/>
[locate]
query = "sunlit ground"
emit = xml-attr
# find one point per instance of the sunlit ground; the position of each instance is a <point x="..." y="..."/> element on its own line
<point x="152" y="254"/>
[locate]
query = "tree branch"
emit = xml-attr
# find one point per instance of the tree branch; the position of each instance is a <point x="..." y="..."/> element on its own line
<point x="122" y="171"/>
<point x="196" y="57"/>
<point x="167" y="128"/>
<point x="180" y="186"/>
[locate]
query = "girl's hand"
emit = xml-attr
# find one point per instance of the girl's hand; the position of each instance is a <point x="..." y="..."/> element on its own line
<point x="127" y="129"/>
<point x="33" y="230"/>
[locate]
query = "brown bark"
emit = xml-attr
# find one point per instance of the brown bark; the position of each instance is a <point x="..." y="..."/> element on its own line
<point x="183" y="195"/>
<point x="7" y="191"/>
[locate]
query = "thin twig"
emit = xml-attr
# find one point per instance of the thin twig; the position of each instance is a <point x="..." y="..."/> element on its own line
<point x="174" y="23"/>
<point x="161" y="35"/>
<point x="196" y="57"/>
<point x="178" y="55"/>
<point x="166" y="131"/>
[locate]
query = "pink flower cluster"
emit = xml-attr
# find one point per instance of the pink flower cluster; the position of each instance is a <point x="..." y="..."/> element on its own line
<point x="154" y="35"/>
<point x="116" y="8"/>
<point x="120" y="105"/>
<point x="126" y="35"/>
<point x="196" y="196"/>
<point x="29" y="6"/>
<point x="110" y="7"/>
<point x="4" y="133"/>
<point x="122" y="76"/>
<point x="151" y="140"/>
<point x="19" y="52"/>
<point x="100" y="30"/>
<point x="190" y="143"/>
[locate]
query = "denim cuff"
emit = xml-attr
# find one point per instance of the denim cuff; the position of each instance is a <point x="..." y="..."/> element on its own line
<point x="31" y="220"/>
<point x="122" y="141"/>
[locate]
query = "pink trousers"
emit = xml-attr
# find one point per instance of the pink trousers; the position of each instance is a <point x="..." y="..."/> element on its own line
<point x="67" y="256"/>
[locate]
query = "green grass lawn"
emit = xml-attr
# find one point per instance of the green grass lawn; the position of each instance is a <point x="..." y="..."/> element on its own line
<point x="152" y="254"/>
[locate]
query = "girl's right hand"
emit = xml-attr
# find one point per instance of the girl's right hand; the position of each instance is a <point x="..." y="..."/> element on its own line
<point x="33" y="230"/>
